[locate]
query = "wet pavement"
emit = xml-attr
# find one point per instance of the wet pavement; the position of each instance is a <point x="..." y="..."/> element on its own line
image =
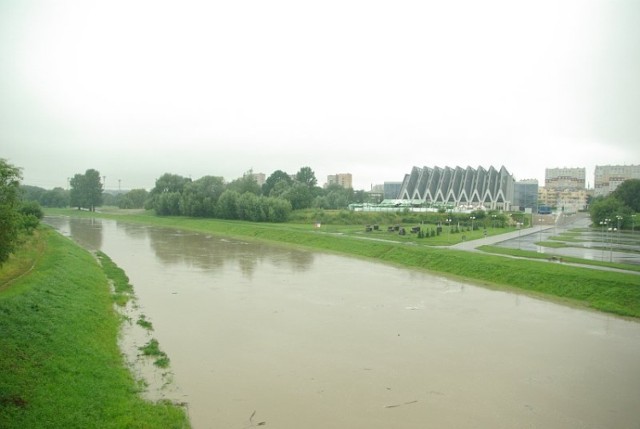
<point x="592" y="244"/>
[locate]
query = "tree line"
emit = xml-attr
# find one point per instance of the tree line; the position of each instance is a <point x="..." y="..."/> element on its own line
<point x="244" y="198"/>
<point x="208" y="196"/>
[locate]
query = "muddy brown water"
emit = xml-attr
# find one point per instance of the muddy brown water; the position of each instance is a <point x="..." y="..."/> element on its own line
<point x="262" y="335"/>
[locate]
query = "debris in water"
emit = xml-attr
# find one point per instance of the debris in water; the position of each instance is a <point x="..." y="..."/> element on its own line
<point x="252" y="424"/>
<point x="399" y="405"/>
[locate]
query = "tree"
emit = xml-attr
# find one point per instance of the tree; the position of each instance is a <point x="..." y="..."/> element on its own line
<point x="250" y="208"/>
<point x="199" y="198"/>
<point x="278" y="209"/>
<point x="9" y="205"/>
<point x="307" y="177"/>
<point x="273" y="179"/>
<point x="299" y="195"/>
<point x="629" y="194"/>
<point x="86" y="190"/>
<point x="56" y="197"/>
<point x="246" y="183"/>
<point x="228" y="205"/>
<point x="134" y="199"/>
<point x="606" y="208"/>
<point x="164" y="198"/>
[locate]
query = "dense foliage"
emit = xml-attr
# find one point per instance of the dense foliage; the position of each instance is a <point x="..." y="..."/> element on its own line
<point x="618" y="209"/>
<point x="243" y="198"/>
<point x="16" y="217"/>
<point x="56" y="197"/>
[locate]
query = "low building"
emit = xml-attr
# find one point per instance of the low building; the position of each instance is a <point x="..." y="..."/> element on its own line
<point x="460" y="187"/>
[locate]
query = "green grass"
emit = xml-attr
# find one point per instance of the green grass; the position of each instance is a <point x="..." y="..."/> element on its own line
<point x="60" y="365"/>
<point x="21" y="263"/>
<point x="122" y="289"/>
<point x="152" y="348"/>
<point x="146" y="324"/>
<point x="612" y="292"/>
<point x="551" y="244"/>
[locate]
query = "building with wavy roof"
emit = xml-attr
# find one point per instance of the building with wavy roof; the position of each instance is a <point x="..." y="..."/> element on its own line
<point x="460" y="187"/>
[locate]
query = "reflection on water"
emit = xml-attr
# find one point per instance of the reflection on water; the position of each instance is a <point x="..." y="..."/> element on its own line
<point x="209" y="253"/>
<point x="87" y="232"/>
<point x="261" y="333"/>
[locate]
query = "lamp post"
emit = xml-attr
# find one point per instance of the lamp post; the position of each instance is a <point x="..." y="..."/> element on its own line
<point x="540" y="234"/>
<point x="472" y="219"/>
<point x="448" y="220"/>
<point x="619" y="218"/>
<point x="604" y="223"/>
<point x="633" y="223"/>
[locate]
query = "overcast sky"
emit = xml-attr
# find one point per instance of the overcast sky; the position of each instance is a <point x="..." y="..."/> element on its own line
<point x="135" y="89"/>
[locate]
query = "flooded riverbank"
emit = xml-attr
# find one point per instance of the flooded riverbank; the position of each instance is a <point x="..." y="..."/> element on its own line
<point x="293" y="338"/>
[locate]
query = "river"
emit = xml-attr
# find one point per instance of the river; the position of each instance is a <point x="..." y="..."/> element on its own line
<point x="264" y="335"/>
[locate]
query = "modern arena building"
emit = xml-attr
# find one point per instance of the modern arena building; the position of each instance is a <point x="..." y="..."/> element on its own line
<point x="467" y="188"/>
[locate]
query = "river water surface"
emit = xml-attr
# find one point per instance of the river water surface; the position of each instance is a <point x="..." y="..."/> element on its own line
<point x="262" y="335"/>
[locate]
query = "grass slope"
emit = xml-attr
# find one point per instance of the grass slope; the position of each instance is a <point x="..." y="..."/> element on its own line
<point x="612" y="292"/>
<point x="60" y="366"/>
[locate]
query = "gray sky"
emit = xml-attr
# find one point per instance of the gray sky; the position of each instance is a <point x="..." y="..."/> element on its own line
<point x="135" y="89"/>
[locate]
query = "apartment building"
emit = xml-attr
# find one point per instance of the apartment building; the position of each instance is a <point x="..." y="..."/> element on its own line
<point x="609" y="177"/>
<point x="564" y="179"/>
<point x="343" y="179"/>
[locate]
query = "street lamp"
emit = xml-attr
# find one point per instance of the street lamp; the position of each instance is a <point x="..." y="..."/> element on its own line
<point x="617" y="231"/>
<point x="472" y="219"/>
<point x="448" y="220"/>
<point x="604" y="223"/>
<point x="618" y="234"/>
<point x="539" y="229"/>
<point x="633" y="223"/>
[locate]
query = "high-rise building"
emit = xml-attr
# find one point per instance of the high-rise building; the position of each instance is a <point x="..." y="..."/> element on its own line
<point x="609" y="177"/>
<point x="471" y="188"/>
<point x="343" y="179"/>
<point x="525" y="195"/>
<point x="565" y="179"/>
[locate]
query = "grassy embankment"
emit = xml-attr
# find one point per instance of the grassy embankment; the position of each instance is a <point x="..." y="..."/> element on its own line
<point x="612" y="292"/>
<point x="60" y="365"/>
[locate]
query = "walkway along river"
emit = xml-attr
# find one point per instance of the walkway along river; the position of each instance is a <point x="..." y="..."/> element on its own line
<point x="266" y="335"/>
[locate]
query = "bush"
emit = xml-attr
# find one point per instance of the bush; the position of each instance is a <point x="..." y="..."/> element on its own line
<point x="31" y="208"/>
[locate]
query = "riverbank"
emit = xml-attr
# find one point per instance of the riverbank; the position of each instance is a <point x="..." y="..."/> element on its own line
<point x="60" y="365"/>
<point x="617" y="293"/>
